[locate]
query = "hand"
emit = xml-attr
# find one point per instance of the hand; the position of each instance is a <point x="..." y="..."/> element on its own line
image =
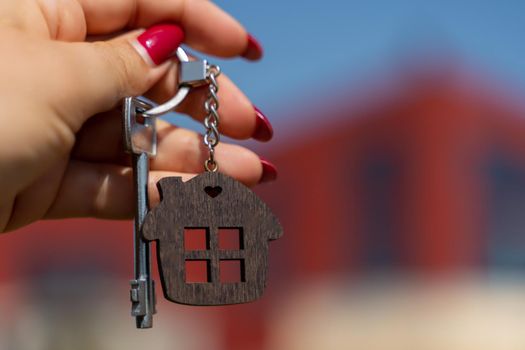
<point x="60" y="140"/>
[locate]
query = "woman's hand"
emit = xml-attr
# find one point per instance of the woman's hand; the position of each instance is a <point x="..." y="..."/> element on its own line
<point x="60" y="140"/>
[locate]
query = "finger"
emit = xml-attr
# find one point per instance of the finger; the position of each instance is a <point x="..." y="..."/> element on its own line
<point x="32" y="202"/>
<point x="208" y="28"/>
<point x="64" y="19"/>
<point x="44" y="18"/>
<point x="102" y="191"/>
<point x="239" y="118"/>
<point x="96" y="76"/>
<point x="179" y="150"/>
<point x="183" y="150"/>
<point x="101" y="140"/>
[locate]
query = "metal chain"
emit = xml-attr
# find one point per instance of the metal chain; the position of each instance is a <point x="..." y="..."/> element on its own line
<point x="212" y="119"/>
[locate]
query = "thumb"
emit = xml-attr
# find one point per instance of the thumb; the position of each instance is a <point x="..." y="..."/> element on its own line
<point x="107" y="71"/>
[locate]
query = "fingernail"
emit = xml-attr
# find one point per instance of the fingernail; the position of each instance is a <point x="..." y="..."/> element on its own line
<point x="158" y="43"/>
<point x="263" y="128"/>
<point x="254" y="50"/>
<point x="269" y="171"/>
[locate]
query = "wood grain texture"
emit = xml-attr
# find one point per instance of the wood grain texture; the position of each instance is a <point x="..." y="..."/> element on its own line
<point x="198" y="203"/>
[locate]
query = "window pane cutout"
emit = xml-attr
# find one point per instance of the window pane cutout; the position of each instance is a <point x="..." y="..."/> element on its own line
<point x="196" y="238"/>
<point x="231" y="238"/>
<point x="232" y="271"/>
<point x="198" y="271"/>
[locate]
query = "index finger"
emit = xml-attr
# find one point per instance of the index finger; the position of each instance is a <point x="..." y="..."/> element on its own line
<point x="208" y="28"/>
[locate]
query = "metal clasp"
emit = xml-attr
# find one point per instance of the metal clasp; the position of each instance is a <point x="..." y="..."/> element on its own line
<point x="179" y="96"/>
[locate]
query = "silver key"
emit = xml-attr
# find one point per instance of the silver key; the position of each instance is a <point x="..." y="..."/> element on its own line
<point x="140" y="139"/>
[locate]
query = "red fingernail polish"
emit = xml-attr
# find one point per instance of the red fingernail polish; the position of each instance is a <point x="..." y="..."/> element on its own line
<point x="254" y="50"/>
<point x="263" y="128"/>
<point x="160" y="41"/>
<point x="269" y="171"/>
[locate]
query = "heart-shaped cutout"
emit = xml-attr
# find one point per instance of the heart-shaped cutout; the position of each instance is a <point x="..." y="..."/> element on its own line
<point x="213" y="191"/>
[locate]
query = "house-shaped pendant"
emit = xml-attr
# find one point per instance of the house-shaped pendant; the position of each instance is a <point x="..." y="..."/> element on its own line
<point x="214" y="204"/>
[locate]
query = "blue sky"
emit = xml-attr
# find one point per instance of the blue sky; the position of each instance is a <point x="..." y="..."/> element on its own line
<point x="309" y="44"/>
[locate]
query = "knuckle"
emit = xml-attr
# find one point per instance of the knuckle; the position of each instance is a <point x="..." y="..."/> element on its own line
<point x="121" y="64"/>
<point x="192" y="148"/>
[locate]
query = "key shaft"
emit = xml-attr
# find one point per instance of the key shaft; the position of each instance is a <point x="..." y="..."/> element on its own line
<point x="143" y="306"/>
<point x="140" y="139"/>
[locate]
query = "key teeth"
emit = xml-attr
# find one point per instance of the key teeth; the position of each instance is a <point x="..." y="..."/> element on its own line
<point x="137" y="295"/>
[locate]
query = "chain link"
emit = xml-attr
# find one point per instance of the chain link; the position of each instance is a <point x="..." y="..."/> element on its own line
<point x="212" y="119"/>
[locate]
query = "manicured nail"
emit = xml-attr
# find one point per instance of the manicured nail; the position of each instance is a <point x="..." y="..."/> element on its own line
<point x="254" y="50"/>
<point x="269" y="171"/>
<point x="158" y="43"/>
<point x="263" y="128"/>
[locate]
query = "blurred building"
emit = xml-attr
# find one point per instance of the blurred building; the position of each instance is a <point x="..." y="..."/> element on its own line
<point x="426" y="178"/>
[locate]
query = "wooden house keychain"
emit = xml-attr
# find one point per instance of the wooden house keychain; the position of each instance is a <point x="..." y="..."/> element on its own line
<point x="210" y="202"/>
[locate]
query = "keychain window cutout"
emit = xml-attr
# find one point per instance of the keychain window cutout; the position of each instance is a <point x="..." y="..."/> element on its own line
<point x="196" y="238"/>
<point x="231" y="238"/>
<point x="227" y="253"/>
<point x="198" y="271"/>
<point x="232" y="271"/>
